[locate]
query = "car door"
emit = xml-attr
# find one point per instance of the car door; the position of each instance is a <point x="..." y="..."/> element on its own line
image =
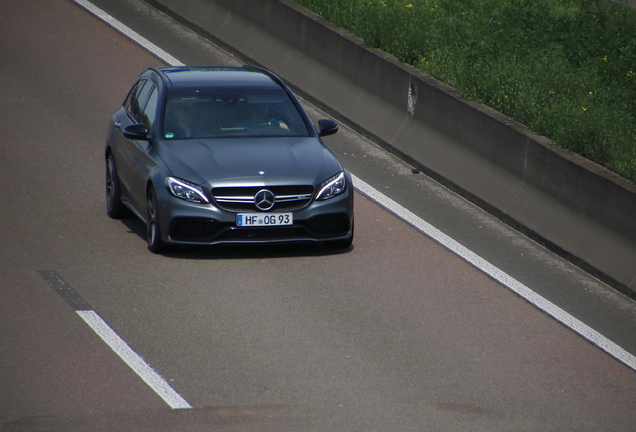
<point x="133" y="159"/>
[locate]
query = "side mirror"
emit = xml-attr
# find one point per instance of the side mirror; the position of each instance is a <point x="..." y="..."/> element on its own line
<point x="327" y="127"/>
<point x="137" y="131"/>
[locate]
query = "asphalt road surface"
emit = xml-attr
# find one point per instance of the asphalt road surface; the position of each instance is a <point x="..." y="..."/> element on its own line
<point x="395" y="334"/>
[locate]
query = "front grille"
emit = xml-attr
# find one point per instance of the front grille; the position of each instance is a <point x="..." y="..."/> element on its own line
<point x="241" y="199"/>
<point x="198" y="230"/>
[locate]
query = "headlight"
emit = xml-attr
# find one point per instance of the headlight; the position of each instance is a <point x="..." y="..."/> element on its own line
<point x="332" y="187"/>
<point x="186" y="190"/>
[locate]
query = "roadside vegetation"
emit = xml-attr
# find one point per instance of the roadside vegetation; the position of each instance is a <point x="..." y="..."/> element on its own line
<point x="564" y="68"/>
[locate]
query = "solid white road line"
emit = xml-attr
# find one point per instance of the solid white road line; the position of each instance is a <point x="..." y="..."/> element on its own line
<point x="500" y="276"/>
<point x="129" y="33"/>
<point x="134" y="360"/>
<point x="508" y="281"/>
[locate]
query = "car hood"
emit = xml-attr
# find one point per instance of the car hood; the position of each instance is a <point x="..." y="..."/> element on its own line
<point x="249" y="161"/>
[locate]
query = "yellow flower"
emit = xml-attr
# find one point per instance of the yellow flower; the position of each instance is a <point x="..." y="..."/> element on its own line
<point x="410" y="5"/>
<point x="584" y="109"/>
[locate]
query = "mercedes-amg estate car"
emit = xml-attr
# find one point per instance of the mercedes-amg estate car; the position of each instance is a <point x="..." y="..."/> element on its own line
<point x="224" y="155"/>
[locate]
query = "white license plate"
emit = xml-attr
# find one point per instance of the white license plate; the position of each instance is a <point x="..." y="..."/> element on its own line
<point x="264" y="219"/>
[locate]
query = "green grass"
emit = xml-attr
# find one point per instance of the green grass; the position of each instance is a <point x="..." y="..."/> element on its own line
<point x="564" y="68"/>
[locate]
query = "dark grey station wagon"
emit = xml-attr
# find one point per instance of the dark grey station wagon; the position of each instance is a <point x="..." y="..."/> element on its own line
<point x="224" y="155"/>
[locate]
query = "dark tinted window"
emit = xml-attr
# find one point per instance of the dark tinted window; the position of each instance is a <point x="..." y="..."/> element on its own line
<point x="137" y="99"/>
<point x="149" y="112"/>
<point x="227" y="114"/>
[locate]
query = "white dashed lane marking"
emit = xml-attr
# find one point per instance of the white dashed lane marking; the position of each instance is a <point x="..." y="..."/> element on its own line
<point x="150" y="376"/>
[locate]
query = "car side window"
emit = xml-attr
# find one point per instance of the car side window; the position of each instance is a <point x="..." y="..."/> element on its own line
<point x="149" y="113"/>
<point x="132" y="101"/>
<point x="137" y="99"/>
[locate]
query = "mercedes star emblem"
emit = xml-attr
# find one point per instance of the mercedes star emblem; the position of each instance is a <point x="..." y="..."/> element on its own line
<point x="264" y="199"/>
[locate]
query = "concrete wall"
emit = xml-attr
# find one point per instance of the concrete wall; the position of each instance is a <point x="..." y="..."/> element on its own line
<point x="569" y="203"/>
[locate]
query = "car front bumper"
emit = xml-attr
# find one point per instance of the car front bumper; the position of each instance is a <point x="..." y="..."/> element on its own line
<point x="195" y="224"/>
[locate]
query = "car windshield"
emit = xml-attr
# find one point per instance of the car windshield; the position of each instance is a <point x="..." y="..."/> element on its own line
<point x="227" y="114"/>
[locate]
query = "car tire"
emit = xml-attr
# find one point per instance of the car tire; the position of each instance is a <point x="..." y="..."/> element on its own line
<point x="115" y="208"/>
<point x="153" y="228"/>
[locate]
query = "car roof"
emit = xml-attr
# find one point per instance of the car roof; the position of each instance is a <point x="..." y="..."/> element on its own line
<point x="184" y="78"/>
